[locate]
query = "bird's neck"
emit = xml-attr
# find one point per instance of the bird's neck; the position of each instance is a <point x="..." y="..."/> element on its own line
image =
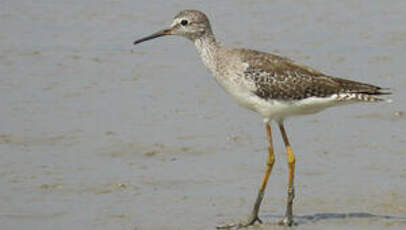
<point x="207" y="46"/>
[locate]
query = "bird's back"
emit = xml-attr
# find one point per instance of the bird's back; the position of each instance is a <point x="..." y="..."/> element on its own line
<point x="279" y="78"/>
<point x="277" y="87"/>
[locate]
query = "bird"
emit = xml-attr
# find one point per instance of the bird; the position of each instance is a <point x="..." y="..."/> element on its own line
<point x="273" y="86"/>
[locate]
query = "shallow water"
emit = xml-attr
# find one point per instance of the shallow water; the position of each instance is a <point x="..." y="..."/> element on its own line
<point x="98" y="134"/>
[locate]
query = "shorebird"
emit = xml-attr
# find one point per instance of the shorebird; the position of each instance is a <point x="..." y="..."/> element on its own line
<point x="273" y="86"/>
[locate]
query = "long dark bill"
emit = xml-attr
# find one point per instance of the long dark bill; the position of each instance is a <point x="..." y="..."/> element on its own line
<point x="155" y="35"/>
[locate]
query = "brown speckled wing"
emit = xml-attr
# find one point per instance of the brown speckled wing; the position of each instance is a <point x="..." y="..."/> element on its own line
<point x="281" y="79"/>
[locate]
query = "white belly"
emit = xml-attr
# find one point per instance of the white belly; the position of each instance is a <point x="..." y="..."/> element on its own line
<point x="277" y="109"/>
<point x="242" y="93"/>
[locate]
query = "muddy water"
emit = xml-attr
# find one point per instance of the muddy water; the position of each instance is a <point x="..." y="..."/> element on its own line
<point x="98" y="134"/>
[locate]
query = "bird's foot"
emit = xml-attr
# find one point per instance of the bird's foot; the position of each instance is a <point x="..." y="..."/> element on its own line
<point x="287" y="221"/>
<point x="251" y="221"/>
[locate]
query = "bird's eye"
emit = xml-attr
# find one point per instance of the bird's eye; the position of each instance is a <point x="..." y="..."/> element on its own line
<point x="184" y="22"/>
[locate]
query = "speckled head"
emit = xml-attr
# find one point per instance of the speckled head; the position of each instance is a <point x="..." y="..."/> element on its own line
<point x="191" y="24"/>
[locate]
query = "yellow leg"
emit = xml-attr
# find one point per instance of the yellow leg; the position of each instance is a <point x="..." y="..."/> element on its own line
<point x="269" y="164"/>
<point x="288" y="220"/>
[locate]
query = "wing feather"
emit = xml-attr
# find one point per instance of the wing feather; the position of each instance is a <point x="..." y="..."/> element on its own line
<point x="277" y="77"/>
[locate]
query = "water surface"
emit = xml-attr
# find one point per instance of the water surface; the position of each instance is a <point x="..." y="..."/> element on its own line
<point x="98" y="134"/>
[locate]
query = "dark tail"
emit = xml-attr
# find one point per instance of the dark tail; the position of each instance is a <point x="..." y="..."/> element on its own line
<point x="364" y="91"/>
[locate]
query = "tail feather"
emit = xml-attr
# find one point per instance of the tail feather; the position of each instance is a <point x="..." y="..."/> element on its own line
<point x="362" y="97"/>
<point x="359" y="91"/>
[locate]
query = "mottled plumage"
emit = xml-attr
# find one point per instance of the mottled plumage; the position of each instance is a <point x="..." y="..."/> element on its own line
<point x="273" y="86"/>
<point x="278" y="78"/>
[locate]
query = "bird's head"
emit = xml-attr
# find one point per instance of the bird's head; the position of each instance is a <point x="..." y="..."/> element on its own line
<point x="191" y="24"/>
